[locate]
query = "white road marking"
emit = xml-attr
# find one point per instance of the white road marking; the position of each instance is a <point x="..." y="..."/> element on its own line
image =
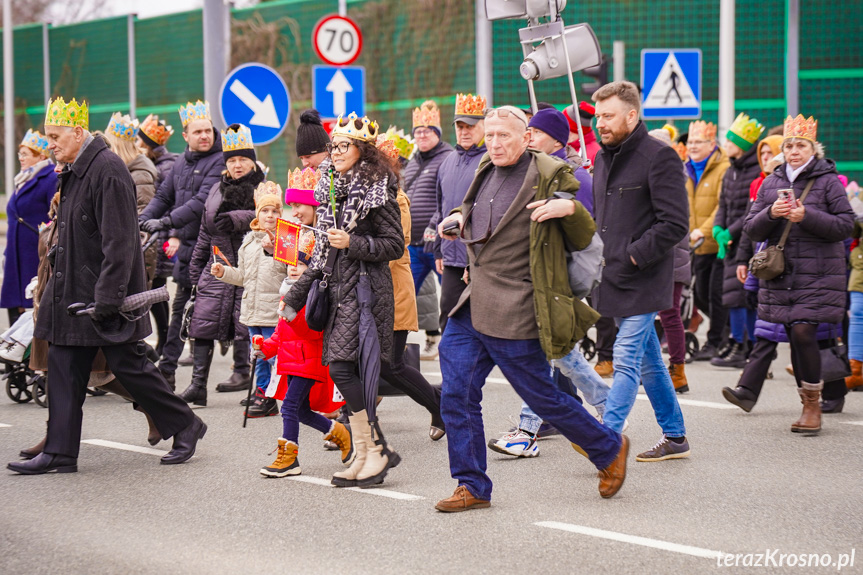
<point x="5" y="425"/>
<point x="633" y="539"/>
<point x="488" y="379"/>
<point x="373" y="491"/>
<point x="696" y="403"/>
<point x="853" y="422"/>
<point x="124" y="447"/>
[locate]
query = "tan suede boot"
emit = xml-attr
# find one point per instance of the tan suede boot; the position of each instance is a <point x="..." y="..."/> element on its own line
<point x="379" y="459"/>
<point x="856" y="378"/>
<point x="341" y="436"/>
<point x="362" y="436"/>
<point x="810" y="419"/>
<point x="286" y="461"/>
<point x="678" y="377"/>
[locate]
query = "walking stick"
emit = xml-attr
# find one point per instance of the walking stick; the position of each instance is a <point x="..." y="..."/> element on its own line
<point x="256" y="344"/>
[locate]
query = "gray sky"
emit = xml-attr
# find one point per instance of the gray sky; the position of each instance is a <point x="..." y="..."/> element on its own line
<point x="150" y="8"/>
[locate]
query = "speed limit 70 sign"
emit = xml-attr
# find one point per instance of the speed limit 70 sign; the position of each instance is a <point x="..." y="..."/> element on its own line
<point x="337" y="40"/>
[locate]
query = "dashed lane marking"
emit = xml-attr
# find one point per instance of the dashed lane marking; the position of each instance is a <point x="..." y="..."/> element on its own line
<point x="124" y="447"/>
<point x="488" y="379"/>
<point x="853" y="422"/>
<point x="373" y="491"/>
<point x="5" y="425"/>
<point x="633" y="539"/>
<point x="696" y="403"/>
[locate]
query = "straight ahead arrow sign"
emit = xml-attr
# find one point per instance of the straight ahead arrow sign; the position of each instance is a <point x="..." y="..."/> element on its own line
<point x="264" y="112"/>
<point x="339" y="86"/>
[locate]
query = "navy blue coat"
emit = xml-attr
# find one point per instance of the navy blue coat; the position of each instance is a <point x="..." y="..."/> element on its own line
<point x="454" y="178"/>
<point x="30" y="204"/>
<point x="181" y="199"/>
<point x="420" y="179"/>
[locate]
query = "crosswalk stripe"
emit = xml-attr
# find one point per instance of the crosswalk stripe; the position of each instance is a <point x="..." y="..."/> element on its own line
<point x="373" y="491"/>
<point x="124" y="446"/>
<point x="488" y="379"/>
<point x="5" y="425"/>
<point x="696" y="402"/>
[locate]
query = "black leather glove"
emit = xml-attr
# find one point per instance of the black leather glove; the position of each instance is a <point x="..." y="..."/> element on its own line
<point x="224" y="223"/>
<point x="153" y="226"/>
<point x="104" y="311"/>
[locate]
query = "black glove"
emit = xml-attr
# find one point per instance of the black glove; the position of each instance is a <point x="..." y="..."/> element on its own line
<point x="153" y="226"/>
<point x="104" y="311"/>
<point x="224" y="223"/>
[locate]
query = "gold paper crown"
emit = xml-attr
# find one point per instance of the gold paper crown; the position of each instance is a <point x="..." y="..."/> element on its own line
<point x="197" y="111"/>
<point x="404" y="144"/>
<point x="702" y="130"/>
<point x="71" y="114"/>
<point x="156" y="129"/>
<point x="427" y="115"/>
<point x="362" y="129"/>
<point x="36" y="142"/>
<point x="469" y="105"/>
<point x="303" y="179"/>
<point x="744" y="131"/>
<point x="387" y="147"/>
<point x="800" y="127"/>
<point x="241" y="139"/>
<point x="268" y="188"/>
<point x="123" y="127"/>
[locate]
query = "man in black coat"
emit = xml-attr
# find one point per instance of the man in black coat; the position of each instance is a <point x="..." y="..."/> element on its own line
<point x="177" y="207"/>
<point x="97" y="259"/>
<point x="641" y="214"/>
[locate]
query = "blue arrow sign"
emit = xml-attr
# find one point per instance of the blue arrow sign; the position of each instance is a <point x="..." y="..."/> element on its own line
<point x="256" y="96"/>
<point x="339" y="90"/>
<point x="671" y="84"/>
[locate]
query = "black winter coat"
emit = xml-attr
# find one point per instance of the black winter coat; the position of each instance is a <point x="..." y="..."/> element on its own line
<point x="642" y="211"/>
<point x="420" y="185"/>
<point x="98" y="257"/>
<point x="732" y="212"/>
<point x="181" y="199"/>
<point x="813" y="287"/>
<point x="217" y="304"/>
<point x="164" y="164"/>
<point x="341" y="336"/>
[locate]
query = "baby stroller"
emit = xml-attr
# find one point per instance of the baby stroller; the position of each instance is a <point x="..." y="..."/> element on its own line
<point x="22" y="383"/>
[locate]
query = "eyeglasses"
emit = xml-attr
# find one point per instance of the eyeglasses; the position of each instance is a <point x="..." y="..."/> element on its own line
<point x="697" y="142"/>
<point x="422" y="133"/>
<point x="505" y="112"/>
<point x="341" y="147"/>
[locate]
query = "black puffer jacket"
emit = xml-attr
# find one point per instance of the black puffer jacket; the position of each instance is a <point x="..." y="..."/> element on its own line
<point x="164" y="164"/>
<point x="180" y="201"/>
<point x="217" y="307"/>
<point x="813" y="285"/>
<point x="341" y="336"/>
<point x="420" y="185"/>
<point x="733" y="208"/>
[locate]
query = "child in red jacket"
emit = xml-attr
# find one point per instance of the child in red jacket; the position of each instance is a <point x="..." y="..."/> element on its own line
<point x="305" y="383"/>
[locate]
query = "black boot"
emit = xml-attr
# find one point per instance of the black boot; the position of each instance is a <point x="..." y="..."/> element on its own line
<point x="196" y="393"/>
<point x="240" y="378"/>
<point x="736" y="357"/>
<point x="741" y="397"/>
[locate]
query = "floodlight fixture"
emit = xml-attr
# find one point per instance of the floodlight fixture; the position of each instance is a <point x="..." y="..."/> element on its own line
<point x="530" y="9"/>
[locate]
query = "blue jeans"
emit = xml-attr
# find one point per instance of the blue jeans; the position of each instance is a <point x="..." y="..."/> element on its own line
<point x="421" y="264"/>
<point x="296" y="410"/>
<point x="263" y="369"/>
<point x="638" y="357"/>
<point x="575" y="367"/>
<point x="742" y="320"/>
<point x="467" y="357"/>
<point x="855" y="327"/>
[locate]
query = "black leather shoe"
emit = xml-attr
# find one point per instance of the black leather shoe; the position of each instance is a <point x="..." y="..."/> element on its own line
<point x="237" y="382"/>
<point x="741" y="397"/>
<point x="832" y="405"/>
<point x="185" y="442"/>
<point x="45" y="463"/>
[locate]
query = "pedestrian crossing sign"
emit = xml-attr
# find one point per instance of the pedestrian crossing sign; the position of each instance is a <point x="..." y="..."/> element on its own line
<point x="671" y="84"/>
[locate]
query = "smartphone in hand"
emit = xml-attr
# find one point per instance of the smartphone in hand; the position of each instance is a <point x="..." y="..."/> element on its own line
<point x="787" y="194"/>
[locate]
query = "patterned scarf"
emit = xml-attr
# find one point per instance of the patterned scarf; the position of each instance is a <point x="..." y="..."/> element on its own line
<point x="356" y="194"/>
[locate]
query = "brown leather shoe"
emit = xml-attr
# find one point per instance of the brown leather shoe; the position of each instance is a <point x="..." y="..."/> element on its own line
<point x="461" y="500"/>
<point x="604" y="368"/>
<point x="611" y="478"/>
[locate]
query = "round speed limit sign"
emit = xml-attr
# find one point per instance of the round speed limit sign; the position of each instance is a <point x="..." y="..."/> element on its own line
<point x="337" y="40"/>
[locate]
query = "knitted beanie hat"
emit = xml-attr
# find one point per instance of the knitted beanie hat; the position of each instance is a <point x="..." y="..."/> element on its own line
<point x="312" y="138"/>
<point x="553" y="123"/>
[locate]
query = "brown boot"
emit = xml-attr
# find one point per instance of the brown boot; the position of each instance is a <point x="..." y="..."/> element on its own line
<point x="810" y="419"/>
<point x="604" y="368"/>
<point x="361" y="434"/>
<point x="341" y="436"/>
<point x="678" y="377"/>
<point x="286" y="460"/>
<point x="612" y="477"/>
<point x="856" y="378"/>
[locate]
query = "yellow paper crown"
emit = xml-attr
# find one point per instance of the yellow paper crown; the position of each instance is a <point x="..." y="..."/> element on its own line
<point x="71" y="114"/>
<point x="303" y="179"/>
<point x="800" y="127"/>
<point x="156" y="130"/>
<point x="362" y="129"/>
<point x="469" y="105"/>
<point x="744" y="131"/>
<point x="36" y="142"/>
<point x="701" y="130"/>
<point x="123" y="127"/>
<point x="241" y="139"/>
<point x="427" y="115"/>
<point x="197" y="111"/>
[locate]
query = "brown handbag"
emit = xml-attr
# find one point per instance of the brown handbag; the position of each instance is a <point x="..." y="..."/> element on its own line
<point x="769" y="263"/>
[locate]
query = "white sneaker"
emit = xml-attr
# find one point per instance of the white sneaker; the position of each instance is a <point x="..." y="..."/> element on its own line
<point x="519" y="444"/>
<point x="429" y="351"/>
<point x="13" y="352"/>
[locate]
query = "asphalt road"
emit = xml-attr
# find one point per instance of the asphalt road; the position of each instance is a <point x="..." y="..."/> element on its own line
<point x="750" y="486"/>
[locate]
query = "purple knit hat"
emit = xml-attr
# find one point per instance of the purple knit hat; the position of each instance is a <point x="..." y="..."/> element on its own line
<point x="553" y="123"/>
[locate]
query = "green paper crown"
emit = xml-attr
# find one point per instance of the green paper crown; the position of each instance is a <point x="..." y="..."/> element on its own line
<point x="71" y="114"/>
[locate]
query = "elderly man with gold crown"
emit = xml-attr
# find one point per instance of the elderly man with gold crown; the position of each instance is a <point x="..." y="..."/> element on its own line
<point x="97" y="259"/>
